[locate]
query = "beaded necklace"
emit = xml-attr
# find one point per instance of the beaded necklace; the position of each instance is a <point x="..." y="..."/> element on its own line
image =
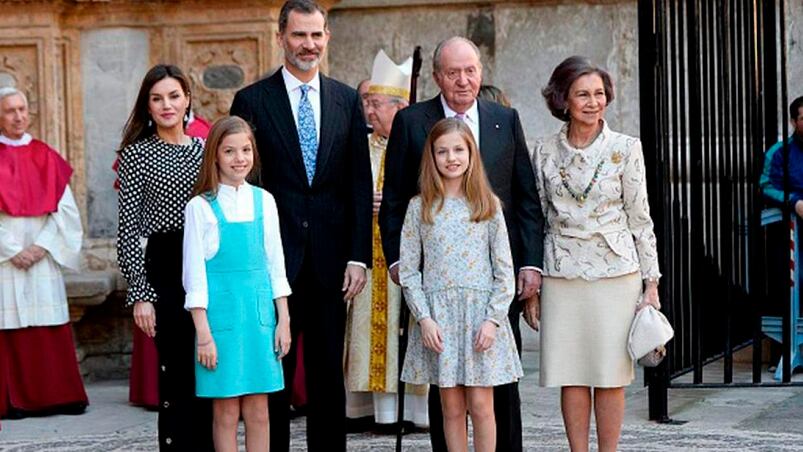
<point x="583" y="196"/>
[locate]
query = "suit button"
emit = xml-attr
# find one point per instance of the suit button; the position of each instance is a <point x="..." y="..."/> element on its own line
<point x="168" y="441"/>
<point x="305" y="224"/>
<point x="166" y="404"/>
<point x="164" y="368"/>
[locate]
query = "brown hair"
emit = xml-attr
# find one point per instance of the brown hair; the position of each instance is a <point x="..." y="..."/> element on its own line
<point x="302" y="7"/>
<point x="208" y="176"/>
<point x="493" y="94"/>
<point x="557" y="90"/>
<point x="480" y="197"/>
<point x="139" y="124"/>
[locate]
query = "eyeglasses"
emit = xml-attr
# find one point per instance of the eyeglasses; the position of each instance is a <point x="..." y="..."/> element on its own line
<point x="471" y="72"/>
<point x="377" y="104"/>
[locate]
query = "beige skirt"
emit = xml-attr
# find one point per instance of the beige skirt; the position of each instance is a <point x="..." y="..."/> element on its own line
<point x="584" y="328"/>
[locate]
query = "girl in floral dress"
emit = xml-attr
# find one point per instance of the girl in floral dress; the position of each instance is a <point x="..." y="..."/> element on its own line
<point x="456" y="272"/>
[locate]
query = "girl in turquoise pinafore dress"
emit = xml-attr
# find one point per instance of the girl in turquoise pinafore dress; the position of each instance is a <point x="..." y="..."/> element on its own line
<point x="236" y="285"/>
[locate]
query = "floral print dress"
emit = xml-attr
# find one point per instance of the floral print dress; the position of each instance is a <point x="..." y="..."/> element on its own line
<point x="460" y="274"/>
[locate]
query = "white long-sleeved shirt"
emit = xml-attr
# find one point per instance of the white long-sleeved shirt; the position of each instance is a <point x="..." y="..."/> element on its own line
<point x="202" y="239"/>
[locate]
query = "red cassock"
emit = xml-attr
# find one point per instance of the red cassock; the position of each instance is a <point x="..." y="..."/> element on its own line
<point x="38" y="366"/>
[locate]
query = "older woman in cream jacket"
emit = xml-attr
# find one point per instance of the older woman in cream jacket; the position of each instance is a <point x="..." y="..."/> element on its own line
<point x="599" y="253"/>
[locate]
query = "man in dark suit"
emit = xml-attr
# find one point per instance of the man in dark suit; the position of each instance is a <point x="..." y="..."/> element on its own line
<point x="458" y="72"/>
<point x="311" y="137"/>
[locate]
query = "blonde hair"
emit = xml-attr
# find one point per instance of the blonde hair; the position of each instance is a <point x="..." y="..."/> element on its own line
<point x="481" y="199"/>
<point x="208" y="176"/>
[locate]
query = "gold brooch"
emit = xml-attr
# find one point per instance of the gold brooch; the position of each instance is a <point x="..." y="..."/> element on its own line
<point x="616" y="157"/>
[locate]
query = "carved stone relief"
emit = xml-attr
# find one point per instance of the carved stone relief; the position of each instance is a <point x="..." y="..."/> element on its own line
<point x="19" y="67"/>
<point x="219" y="66"/>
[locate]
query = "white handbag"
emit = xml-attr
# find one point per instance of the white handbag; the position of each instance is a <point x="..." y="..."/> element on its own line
<point x="649" y="332"/>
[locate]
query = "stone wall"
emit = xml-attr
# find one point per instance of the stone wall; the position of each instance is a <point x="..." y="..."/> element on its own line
<point x="521" y="43"/>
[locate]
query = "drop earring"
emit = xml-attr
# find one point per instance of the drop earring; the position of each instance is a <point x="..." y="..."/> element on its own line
<point x="187" y="117"/>
<point x="150" y="123"/>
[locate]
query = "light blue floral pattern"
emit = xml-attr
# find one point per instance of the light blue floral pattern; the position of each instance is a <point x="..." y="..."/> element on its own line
<point x="467" y="278"/>
<point x="307" y="135"/>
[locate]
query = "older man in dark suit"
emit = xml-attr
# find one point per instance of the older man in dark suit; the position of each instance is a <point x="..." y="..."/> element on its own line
<point x="311" y="137"/>
<point x="458" y="72"/>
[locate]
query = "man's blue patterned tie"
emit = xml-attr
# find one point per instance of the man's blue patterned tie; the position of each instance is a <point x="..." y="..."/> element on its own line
<point x="307" y="135"/>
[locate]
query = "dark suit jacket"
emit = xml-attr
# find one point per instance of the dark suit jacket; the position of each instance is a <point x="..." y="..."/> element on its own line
<point x="507" y="163"/>
<point x="329" y="221"/>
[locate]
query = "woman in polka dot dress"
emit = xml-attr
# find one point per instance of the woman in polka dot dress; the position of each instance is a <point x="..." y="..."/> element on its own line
<point x="158" y="167"/>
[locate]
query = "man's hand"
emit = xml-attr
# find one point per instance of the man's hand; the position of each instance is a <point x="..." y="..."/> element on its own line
<point x="353" y="281"/>
<point x="532" y="311"/>
<point x="431" y="335"/>
<point x="799" y="208"/>
<point x="528" y="284"/>
<point x="394" y="274"/>
<point x="26" y="258"/>
<point x="377" y="201"/>
<point x="145" y="317"/>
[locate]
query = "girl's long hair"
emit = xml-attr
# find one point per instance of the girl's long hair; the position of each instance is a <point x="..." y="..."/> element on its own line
<point x="475" y="186"/>
<point x="208" y="176"/>
<point x="139" y="124"/>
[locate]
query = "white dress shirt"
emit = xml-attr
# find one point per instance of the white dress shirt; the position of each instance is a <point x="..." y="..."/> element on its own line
<point x="202" y="239"/>
<point x="293" y="86"/>
<point x="471" y="117"/>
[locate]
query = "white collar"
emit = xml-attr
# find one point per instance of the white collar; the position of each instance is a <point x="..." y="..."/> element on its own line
<point x="601" y="138"/>
<point x="24" y="141"/>
<point x="292" y="83"/>
<point x="231" y="191"/>
<point x="472" y="114"/>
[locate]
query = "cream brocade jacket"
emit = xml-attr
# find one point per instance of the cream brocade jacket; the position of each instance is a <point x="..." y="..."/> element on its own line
<point x="609" y="233"/>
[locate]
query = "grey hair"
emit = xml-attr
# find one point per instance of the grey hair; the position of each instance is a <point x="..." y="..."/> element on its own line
<point x="8" y="91"/>
<point x="436" y="56"/>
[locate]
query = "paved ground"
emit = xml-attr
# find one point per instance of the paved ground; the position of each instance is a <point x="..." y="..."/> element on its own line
<point x="739" y="419"/>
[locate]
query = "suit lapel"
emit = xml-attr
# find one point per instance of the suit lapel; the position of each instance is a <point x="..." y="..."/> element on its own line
<point x="329" y="105"/>
<point x="278" y="109"/>
<point x="489" y="132"/>
<point x="433" y="113"/>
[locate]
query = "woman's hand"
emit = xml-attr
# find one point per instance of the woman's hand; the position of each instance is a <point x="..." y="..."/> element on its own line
<point x="485" y="336"/>
<point x="145" y="317"/>
<point x="532" y="311"/>
<point x="282" y="339"/>
<point x="431" y="335"/>
<point x="207" y="352"/>
<point x="650" y="297"/>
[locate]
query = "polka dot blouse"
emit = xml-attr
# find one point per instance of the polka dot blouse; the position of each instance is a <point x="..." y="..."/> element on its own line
<point x="156" y="180"/>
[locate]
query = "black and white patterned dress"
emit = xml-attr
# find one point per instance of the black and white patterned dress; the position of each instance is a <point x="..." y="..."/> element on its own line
<point x="156" y="180"/>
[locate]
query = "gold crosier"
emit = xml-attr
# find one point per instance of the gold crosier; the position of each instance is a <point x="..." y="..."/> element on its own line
<point x="379" y="302"/>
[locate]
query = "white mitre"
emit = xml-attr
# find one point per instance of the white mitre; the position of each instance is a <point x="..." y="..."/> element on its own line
<point x="389" y="78"/>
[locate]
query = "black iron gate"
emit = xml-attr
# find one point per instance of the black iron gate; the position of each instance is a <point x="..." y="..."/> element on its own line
<point x="710" y="77"/>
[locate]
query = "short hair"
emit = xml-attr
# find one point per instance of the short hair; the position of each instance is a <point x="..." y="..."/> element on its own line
<point x="303" y="7"/>
<point x="794" y="108"/>
<point x="436" y="55"/>
<point x="493" y="94"/>
<point x="9" y="91"/>
<point x="572" y="68"/>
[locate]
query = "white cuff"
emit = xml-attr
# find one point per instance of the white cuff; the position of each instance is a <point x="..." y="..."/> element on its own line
<point x="532" y="267"/>
<point x="196" y="300"/>
<point x="359" y="264"/>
